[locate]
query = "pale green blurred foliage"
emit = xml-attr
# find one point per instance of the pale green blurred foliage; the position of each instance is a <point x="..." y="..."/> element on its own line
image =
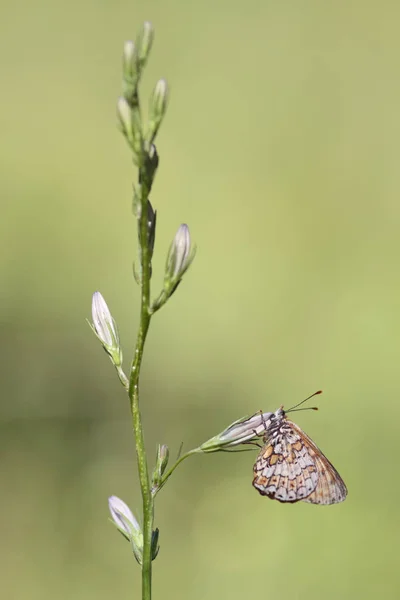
<point x="281" y="150"/>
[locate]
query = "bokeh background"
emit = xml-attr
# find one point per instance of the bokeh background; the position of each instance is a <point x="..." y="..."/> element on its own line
<point x="281" y="150"/>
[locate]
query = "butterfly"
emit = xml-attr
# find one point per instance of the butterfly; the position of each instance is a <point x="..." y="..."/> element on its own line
<point x="290" y="467"/>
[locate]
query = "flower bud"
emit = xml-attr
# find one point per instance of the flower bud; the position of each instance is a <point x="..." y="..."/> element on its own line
<point x="130" y="73"/>
<point x="127" y="524"/>
<point x="131" y="126"/>
<point x="240" y="432"/>
<point x="180" y="256"/>
<point x="129" y="58"/>
<point x="163" y="456"/>
<point x="125" y="117"/>
<point x="160" y="466"/>
<point x="144" y="43"/>
<point x="106" y="329"/>
<point x="158" y="107"/>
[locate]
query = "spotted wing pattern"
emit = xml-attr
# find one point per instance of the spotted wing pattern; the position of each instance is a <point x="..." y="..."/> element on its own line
<point x="331" y="488"/>
<point x="290" y="467"/>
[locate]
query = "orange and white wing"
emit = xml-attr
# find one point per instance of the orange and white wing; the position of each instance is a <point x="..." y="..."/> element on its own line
<point x="284" y="469"/>
<point x="292" y="468"/>
<point x="331" y="488"/>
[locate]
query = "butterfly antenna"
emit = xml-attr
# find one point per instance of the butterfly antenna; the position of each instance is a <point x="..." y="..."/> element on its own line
<point x="305" y="400"/>
<point x="299" y="409"/>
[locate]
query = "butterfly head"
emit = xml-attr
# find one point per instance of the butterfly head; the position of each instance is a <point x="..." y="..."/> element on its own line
<point x="279" y="414"/>
<point x="274" y="421"/>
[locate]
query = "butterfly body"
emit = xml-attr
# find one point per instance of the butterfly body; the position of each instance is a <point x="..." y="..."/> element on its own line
<point x="290" y="467"/>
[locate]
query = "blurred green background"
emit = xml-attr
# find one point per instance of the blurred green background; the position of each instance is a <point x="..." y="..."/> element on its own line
<point x="281" y="150"/>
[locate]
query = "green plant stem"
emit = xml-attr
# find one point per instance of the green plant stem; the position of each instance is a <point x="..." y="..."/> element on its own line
<point x="145" y="317"/>
<point x="172" y="469"/>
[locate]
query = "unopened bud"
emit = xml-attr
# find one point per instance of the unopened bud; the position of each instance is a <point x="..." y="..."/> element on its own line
<point x="129" y="58"/>
<point x="130" y="73"/>
<point x="144" y="42"/>
<point x="160" y="466"/>
<point x="180" y="256"/>
<point x="158" y="107"/>
<point x="131" y="127"/>
<point x="240" y="432"/>
<point x="125" y="118"/>
<point x="106" y="329"/>
<point x="126" y="523"/>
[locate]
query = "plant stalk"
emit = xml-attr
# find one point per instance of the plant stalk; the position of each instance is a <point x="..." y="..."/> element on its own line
<point x="145" y="318"/>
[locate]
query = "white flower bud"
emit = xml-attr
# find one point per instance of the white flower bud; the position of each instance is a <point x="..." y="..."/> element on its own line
<point x="158" y="106"/>
<point x="125" y="117"/>
<point x="239" y="432"/>
<point x="144" y="43"/>
<point x="129" y="59"/>
<point x="105" y="328"/>
<point x="127" y="524"/>
<point x="180" y="255"/>
<point x="122" y="516"/>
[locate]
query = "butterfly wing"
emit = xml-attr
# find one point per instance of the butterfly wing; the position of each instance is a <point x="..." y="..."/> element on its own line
<point x="331" y="488"/>
<point x="290" y="467"/>
<point x="284" y="470"/>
